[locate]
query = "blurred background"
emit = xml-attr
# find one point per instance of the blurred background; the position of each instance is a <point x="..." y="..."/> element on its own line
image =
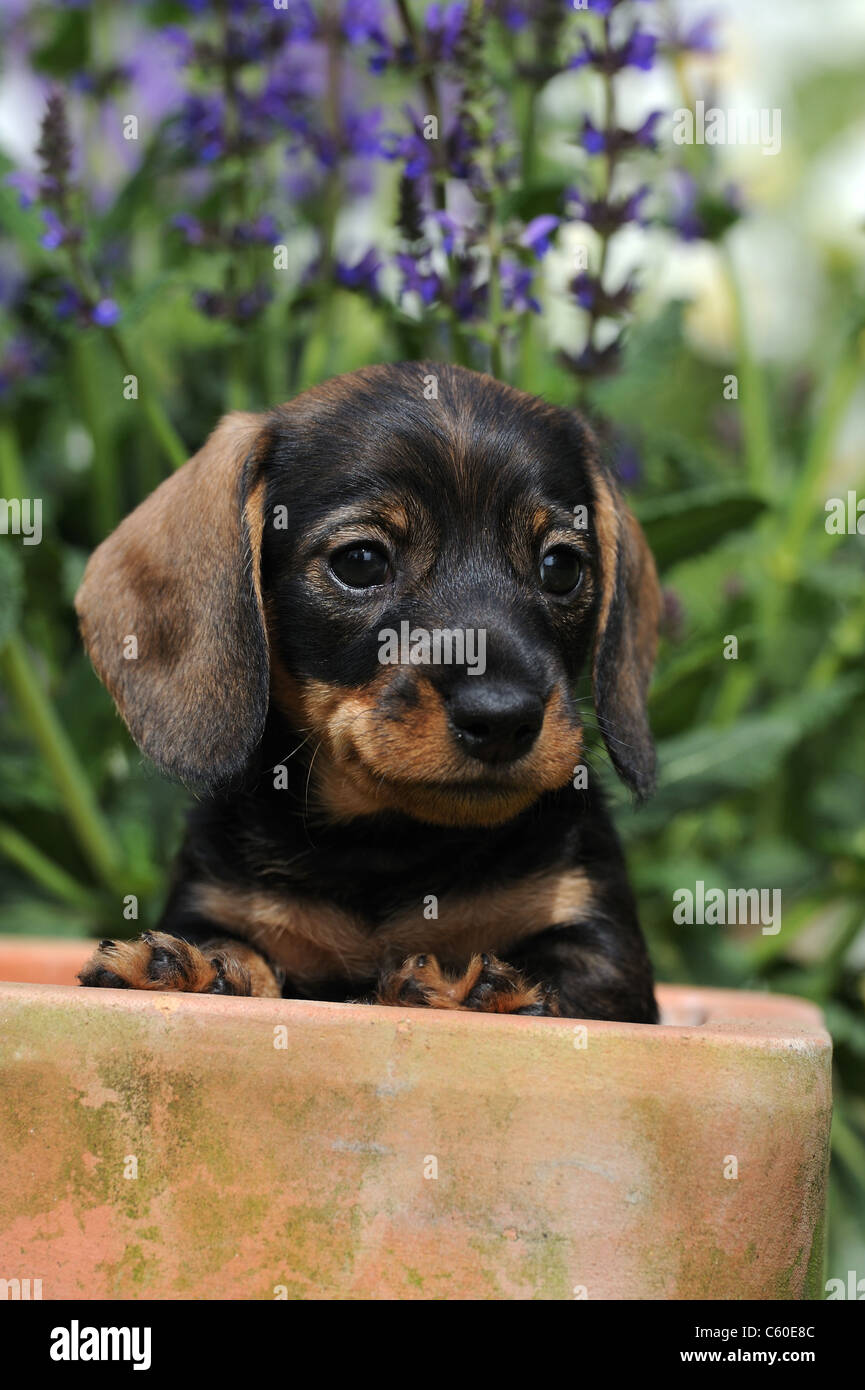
<point x="205" y="206"/>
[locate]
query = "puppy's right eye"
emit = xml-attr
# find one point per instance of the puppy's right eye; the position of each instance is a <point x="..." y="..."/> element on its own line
<point x="359" y="565"/>
<point x="561" y="570"/>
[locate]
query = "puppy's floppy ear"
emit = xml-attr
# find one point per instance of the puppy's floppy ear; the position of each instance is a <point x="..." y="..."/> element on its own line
<point x="181" y="576"/>
<point x="626" y="636"/>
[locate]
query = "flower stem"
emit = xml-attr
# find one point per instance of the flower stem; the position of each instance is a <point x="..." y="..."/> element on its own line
<point x="754" y="397"/>
<point x="318" y="355"/>
<point x="104" y="480"/>
<point x="42" y="870"/>
<point x="787" y="543"/>
<point x="237" y="392"/>
<point x="497" y="328"/>
<point x="431" y="94"/>
<point x="75" y="790"/>
<point x="605" y="234"/>
<point x="812" y="480"/>
<point x="11" y="475"/>
<point x="161" y="427"/>
<point x="609" y="176"/>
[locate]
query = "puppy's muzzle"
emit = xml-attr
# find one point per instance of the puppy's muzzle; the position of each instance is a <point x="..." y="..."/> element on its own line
<point x="494" y="721"/>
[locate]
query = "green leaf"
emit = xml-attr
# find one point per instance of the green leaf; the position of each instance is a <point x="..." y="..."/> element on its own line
<point x="24" y="780"/>
<point x="827" y="103"/>
<point x="11" y="590"/>
<point x="20" y="224"/>
<point x="535" y="199"/>
<point x="681" y="664"/>
<point x="846" y="1027"/>
<point x="68" y="49"/>
<point x="745" y="755"/>
<point x="689" y="523"/>
<point x="25" y="914"/>
<point x="716" y="214"/>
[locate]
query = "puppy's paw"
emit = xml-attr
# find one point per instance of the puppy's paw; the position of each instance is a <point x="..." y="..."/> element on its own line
<point x="487" y="985"/>
<point x="161" y="962"/>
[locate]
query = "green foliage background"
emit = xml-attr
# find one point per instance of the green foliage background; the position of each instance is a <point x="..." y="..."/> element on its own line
<point x="761" y="758"/>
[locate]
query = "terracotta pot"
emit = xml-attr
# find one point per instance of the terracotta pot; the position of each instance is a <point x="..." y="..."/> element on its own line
<point x="303" y="1150"/>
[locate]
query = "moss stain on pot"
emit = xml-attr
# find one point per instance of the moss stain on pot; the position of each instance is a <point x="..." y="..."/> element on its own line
<point x="260" y="1168"/>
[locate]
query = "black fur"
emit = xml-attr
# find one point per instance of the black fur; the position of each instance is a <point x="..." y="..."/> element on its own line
<point x="361" y="448"/>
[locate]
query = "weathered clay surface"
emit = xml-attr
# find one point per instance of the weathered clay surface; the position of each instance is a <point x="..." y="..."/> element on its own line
<point x="304" y="1170"/>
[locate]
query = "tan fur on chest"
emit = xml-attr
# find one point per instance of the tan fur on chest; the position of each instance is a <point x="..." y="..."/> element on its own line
<point x="315" y="940"/>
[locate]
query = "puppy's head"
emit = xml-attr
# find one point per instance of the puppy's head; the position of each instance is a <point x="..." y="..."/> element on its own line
<point x="411" y="564"/>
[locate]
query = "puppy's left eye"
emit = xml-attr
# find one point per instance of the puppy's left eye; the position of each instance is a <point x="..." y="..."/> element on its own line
<point x="359" y="565"/>
<point x="561" y="570"/>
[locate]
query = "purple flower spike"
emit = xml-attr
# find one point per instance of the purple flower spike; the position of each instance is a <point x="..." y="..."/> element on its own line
<point x="607" y="217"/>
<point x="417" y="152"/>
<point x="55" y="234"/>
<point x="20" y="361"/>
<point x="698" y="37"/>
<point x="299" y="15"/>
<point x="364" y="134"/>
<point x="593" y="361"/>
<point x="515" y="19"/>
<point x="683" y="217"/>
<point x="423" y="282"/>
<point x="645" y="134"/>
<point x="363" y="275"/>
<point x="68" y="303"/>
<point x="639" y="52"/>
<point x="586" y="289"/>
<point x="537" y="234"/>
<point x="516" y="282"/>
<point x="632" y="207"/>
<point x="190" y="226"/>
<point x="628" y="463"/>
<point x="591" y="295"/>
<point x="105" y="313"/>
<point x="444" y="24"/>
<point x="593" y="141"/>
<point x="27" y="185"/>
<point x="363" y="20"/>
<point x="636" y="51"/>
<point x="608" y="49"/>
<point x="469" y="300"/>
<point x="180" y="39"/>
<point x="449" y="230"/>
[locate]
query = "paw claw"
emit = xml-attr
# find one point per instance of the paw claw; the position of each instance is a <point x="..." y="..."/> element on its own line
<point x="157" y="961"/>
<point x="487" y="985"/>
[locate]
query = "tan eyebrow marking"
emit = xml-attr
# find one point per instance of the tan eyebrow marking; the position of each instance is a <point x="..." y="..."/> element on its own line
<point x="386" y="514"/>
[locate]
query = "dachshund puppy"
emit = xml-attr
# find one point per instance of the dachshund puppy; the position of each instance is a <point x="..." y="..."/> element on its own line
<point x="359" y="626"/>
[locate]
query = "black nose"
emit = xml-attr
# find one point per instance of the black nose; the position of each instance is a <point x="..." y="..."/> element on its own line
<point x="495" y="723"/>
